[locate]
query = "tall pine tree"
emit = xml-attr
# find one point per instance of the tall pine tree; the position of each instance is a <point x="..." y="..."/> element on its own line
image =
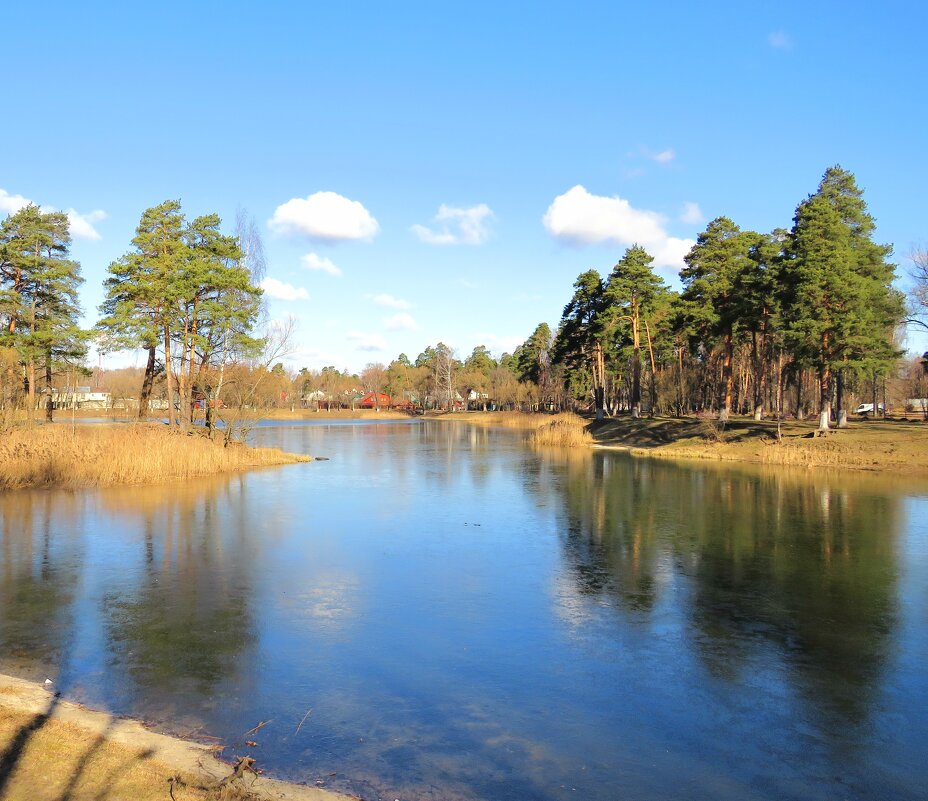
<point x="38" y="287"/>
<point x="840" y="305"/>
<point x="630" y="297"/>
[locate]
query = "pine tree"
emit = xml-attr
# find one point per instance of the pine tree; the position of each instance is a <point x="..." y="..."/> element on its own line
<point x="840" y="305"/>
<point x="578" y="345"/>
<point x="534" y="362"/>
<point x="186" y="288"/>
<point x="709" y="300"/>
<point x="141" y="294"/>
<point x="631" y="295"/>
<point x="758" y="289"/>
<point x="217" y="306"/>
<point x="39" y="295"/>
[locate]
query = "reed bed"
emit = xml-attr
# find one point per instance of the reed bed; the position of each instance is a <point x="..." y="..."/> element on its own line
<point x="85" y="456"/>
<point x="564" y="430"/>
<point x="530" y="421"/>
<point x="807" y="453"/>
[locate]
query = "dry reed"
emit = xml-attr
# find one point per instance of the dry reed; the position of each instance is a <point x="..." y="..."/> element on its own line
<point x="524" y="420"/>
<point x="61" y="456"/>
<point x="565" y="430"/>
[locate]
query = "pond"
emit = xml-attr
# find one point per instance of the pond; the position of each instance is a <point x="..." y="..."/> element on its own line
<point x="441" y="612"/>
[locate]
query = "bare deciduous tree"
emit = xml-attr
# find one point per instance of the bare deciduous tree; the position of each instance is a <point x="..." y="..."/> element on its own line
<point x="918" y="294"/>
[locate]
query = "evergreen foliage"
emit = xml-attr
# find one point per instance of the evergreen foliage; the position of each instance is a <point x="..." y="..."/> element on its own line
<point x="39" y="307"/>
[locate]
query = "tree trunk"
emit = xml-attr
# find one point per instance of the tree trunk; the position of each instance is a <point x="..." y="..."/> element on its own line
<point x="636" y="368"/>
<point x="167" y="375"/>
<point x="824" y="383"/>
<point x="49" y="406"/>
<point x="30" y="388"/>
<point x="647" y="331"/>
<point x="799" y="415"/>
<point x="727" y="357"/>
<point x="147" y="381"/>
<point x="599" y="379"/>
<point x="758" y="379"/>
<point x="780" y="381"/>
<point x="636" y="385"/>
<point x="842" y="412"/>
<point x="681" y="404"/>
<point x="184" y="389"/>
<point x="208" y="411"/>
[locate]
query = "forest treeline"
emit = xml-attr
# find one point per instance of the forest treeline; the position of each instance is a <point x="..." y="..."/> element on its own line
<point x="764" y="323"/>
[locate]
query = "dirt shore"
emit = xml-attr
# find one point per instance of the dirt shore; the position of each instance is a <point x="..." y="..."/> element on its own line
<point x="52" y="749"/>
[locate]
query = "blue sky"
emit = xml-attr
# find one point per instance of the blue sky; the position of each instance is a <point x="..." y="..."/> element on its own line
<point x="425" y="172"/>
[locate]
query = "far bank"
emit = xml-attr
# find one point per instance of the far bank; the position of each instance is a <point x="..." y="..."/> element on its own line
<point x="884" y="445"/>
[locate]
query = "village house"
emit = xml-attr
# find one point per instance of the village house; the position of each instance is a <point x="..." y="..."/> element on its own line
<point x="80" y="398"/>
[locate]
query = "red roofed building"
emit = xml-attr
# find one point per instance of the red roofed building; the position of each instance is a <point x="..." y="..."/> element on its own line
<point x="374" y="400"/>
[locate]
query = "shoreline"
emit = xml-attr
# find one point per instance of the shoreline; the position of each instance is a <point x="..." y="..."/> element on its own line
<point x="878" y="446"/>
<point x="191" y="767"/>
<point x="57" y="456"/>
<point x="128" y="416"/>
<point x="889" y="446"/>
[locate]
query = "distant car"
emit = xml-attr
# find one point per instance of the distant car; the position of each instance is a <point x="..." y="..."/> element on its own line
<point x="867" y="408"/>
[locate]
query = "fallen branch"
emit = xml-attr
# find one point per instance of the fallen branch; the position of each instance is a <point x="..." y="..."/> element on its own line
<point x="261" y="725"/>
<point x="308" y="712"/>
<point x="243" y="766"/>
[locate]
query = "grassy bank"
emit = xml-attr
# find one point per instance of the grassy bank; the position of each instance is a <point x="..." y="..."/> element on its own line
<point x="564" y="429"/>
<point x="51" y="750"/>
<point x="890" y="445"/>
<point x="898" y="445"/>
<point x="96" y="455"/>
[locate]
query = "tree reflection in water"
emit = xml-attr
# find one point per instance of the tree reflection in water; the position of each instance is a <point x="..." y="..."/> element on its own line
<point x="800" y="564"/>
<point x="180" y="622"/>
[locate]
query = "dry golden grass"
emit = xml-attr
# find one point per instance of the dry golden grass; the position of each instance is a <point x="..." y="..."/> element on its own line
<point x="61" y="760"/>
<point x="524" y="420"/>
<point x="564" y="430"/>
<point x="893" y="445"/>
<point x="95" y="455"/>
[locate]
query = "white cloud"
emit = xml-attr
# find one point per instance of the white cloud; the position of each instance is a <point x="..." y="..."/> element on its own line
<point x="10" y="204"/>
<point x="664" y="156"/>
<point x="369" y="342"/>
<point x="780" y="40"/>
<point x="390" y="302"/>
<point x="692" y="214"/>
<point x="498" y="344"/>
<point x="283" y="291"/>
<point x="671" y="251"/>
<point x="312" y="261"/>
<point x="401" y="322"/>
<point x="81" y="225"/>
<point x="457" y="226"/>
<point x="326" y="217"/>
<point x="581" y="218"/>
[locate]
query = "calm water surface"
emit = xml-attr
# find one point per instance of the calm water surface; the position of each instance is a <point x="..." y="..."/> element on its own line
<point x="466" y="618"/>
